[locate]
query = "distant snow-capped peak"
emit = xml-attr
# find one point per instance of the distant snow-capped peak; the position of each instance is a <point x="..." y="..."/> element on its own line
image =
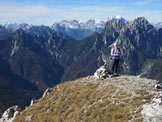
<point x="24" y="26"/>
<point x="158" y="25"/>
<point x="117" y="17"/>
<point x="11" y="25"/>
<point x="65" y="23"/>
<point x="16" y="26"/>
<point x="75" y="24"/>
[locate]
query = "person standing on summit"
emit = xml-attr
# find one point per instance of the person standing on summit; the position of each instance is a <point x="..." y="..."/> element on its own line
<point x="115" y="54"/>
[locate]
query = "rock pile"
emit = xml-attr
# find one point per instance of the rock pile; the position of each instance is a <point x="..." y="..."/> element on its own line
<point x="102" y="72"/>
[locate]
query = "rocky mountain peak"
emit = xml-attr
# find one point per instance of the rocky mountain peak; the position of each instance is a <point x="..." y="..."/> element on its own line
<point x="141" y="22"/>
<point x="123" y="98"/>
<point x="112" y="30"/>
<point x="115" y="24"/>
<point x="141" y="19"/>
<point x="140" y="34"/>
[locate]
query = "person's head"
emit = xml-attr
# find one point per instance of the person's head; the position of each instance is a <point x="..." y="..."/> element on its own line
<point x="115" y="45"/>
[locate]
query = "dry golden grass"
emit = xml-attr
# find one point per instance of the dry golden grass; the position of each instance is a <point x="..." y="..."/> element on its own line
<point x="74" y="101"/>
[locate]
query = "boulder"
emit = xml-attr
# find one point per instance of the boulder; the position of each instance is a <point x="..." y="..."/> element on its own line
<point x="10" y="114"/>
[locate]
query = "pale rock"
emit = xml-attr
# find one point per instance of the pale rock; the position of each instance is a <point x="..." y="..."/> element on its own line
<point x="158" y="86"/>
<point x="28" y="118"/>
<point x="46" y="92"/>
<point x="101" y="72"/>
<point x="153" y="111"/>
<point x="32" y="102"/>
<point x="10" y="114"/>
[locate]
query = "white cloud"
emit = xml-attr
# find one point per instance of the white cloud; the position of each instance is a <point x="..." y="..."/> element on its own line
<point x="48" y="15"/>
<point x="30" y="14"/>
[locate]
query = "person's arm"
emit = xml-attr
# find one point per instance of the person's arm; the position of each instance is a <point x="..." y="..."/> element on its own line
<point x="118" y="52"/>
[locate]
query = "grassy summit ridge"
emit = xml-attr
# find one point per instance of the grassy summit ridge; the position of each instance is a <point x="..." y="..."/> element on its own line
<point x="89" y="99"/>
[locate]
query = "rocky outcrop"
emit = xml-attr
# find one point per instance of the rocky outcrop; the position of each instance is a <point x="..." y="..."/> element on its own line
<point x="152" y="112"/>
<point x="47" y="91"/>
<point x="34" y="100"/>
<point x="101" y="73"/>
<point x="98" y="99"/>
<point x="10" y="114"/>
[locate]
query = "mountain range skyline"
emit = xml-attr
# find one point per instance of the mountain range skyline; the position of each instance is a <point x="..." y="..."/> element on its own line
<point x="74" y="28"/>
<point x="79" y="21"/>
<point x="47" y="12"/>
<point x="91" y="21"/>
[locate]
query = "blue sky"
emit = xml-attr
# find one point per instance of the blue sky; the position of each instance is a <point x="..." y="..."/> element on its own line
<point x="49" y="11"/>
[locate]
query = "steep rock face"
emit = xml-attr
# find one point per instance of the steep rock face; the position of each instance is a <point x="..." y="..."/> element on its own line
<point x="88" y="59"/>
<point x="26" y="69"/>
<point x="92" y="99"/>
<point x="138" y="41"/>
<point x="94" y="47"/>
<point x="40" y="31"/>
<point x="140" y="34"/>
<point x="14" y="90"/>
<point x="112" y="30"/>
<point x="152" y="69"/>
<point x="160" y="39"/>
<point x="30" y="60"/>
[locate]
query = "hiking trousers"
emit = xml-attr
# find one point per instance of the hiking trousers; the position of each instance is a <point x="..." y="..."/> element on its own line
<point x="115" y="65"/>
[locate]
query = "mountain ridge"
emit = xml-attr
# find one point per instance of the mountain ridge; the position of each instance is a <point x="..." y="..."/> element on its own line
<point x="45" y="58"/>
<point x="74" y="28"/>
<point x="92" y="99"/>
